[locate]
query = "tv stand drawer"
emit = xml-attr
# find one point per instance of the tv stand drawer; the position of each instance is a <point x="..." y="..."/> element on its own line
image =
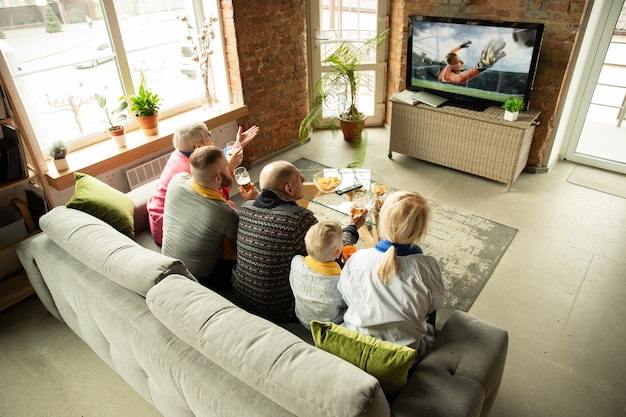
<point x="480" y="143"/>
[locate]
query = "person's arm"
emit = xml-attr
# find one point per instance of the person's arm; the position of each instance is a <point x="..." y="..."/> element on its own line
<point x="350" y="235"/>
<point x="350" y="232"/>
<point x="456" y="49"/>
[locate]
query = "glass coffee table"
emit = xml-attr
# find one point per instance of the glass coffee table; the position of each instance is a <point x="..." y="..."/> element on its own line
<point x="335" y="207"/>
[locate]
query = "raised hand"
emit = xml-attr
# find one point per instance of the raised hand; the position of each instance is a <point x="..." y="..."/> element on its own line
<point x="492" y="53"/>
<point x="246" y="137"/>
<point x="465" y="44"/>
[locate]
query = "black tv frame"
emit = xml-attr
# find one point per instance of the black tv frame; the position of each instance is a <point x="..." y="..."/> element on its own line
<point x="466" y="96"/>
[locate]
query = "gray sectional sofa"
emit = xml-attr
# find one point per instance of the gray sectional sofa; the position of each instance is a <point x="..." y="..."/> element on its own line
<point x="191" y="352"/>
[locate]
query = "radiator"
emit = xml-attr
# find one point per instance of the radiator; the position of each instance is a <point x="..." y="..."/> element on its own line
<point x="146" y="172"/>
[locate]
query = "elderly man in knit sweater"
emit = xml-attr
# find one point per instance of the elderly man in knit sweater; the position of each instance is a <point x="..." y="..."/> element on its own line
<point x="271" y="232"/>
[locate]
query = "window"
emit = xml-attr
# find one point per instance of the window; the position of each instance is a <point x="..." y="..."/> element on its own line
<point x="106" y="47"/>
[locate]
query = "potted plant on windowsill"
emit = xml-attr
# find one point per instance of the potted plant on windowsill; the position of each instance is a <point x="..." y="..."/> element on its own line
<point x="341" y="85"/>
<point x="58" y="151"/>
<point x="113" y="118"/>
<point x="145" y="107"/>
<point x="512" y="106"/>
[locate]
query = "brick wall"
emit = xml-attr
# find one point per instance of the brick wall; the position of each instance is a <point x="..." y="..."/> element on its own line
<point x="270" y="62"/>
<point x="269" y="57"/>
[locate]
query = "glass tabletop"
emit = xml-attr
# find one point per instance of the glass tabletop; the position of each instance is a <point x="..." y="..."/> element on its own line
<point x="336" y="207"/>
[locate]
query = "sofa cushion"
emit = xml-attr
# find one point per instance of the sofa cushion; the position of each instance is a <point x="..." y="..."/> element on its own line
<point x="112" y="254"/>
<point x="461" y="373"/>
<point x="104" y="202"/>
<point x="388" y="362"/>
<point x="274" y="362"/>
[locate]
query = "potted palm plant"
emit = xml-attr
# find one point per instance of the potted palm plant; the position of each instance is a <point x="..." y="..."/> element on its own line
<point x="341" y="85"/>
<point x="58" y="151"/>
<point x="113" y="118"/>
<point x="512" y="106"/>
<point x="145" y="107"/>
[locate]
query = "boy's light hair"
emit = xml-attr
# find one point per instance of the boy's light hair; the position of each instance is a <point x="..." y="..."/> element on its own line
<point x="188" y="136"/>
<point x="322" y="241"/>
<point x="403" y="220"/>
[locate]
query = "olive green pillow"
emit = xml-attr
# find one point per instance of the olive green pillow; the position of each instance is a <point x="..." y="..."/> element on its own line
<point x="104" y="202"/>
<point x="388" y="362"/>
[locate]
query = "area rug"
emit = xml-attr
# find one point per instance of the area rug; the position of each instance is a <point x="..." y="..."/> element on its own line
<point x="598" y="179"/>
<point x="467" y="247"/>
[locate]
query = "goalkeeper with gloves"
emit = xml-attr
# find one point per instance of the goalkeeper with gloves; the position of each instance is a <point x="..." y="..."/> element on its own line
<point x="455" y="71"/>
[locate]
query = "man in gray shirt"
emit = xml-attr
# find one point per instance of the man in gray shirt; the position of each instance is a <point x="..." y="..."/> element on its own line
<point x="199" y="225"/>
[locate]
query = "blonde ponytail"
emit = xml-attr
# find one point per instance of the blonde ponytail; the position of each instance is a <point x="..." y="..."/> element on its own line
<point x="388" y="266"/>
<point x="403" y="220"/>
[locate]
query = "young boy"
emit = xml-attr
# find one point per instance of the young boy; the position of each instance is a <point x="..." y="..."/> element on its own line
<point x="314" y="278"/>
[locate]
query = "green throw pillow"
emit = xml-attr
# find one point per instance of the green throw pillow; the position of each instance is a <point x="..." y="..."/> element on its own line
<point x="388" y="362"/>
<point x="104" y="202"/>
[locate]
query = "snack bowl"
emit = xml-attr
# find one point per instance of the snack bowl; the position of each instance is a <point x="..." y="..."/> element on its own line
<point x="379" y="190"/>
<point x="327" y="180"/>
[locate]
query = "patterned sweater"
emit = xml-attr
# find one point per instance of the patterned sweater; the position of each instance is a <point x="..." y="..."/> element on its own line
<point x="271" y="232"/>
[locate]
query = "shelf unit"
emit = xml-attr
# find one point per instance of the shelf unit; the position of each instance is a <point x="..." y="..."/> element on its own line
<point x="14" y="284"/>
<point x="480" y="143"/>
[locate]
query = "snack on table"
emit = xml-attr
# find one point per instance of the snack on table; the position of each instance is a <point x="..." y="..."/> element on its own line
<point x="328" y="183"/>
<point x="379" y="189"/>
<point x="327" y="180"/>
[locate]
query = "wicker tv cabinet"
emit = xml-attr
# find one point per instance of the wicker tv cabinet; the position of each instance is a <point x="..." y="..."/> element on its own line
<point x="480" y="143"/>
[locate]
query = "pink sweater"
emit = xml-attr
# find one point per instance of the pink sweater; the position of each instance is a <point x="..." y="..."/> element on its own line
<point x="178" y="162"/>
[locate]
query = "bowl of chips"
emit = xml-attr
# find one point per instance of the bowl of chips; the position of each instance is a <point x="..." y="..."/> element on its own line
<point x="328" y="180"/>
<point x="380" y="192"/>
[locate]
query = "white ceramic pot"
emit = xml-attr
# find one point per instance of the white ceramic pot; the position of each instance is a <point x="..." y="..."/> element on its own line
<point x="119" y="136"/>
<point x="61" y="164"/>
<point x="510" y="116"/>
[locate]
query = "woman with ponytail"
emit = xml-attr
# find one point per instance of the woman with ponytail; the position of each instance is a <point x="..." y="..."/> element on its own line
<point x="391" y="289"/>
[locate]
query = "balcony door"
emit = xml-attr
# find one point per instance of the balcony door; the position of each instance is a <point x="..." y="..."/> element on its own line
<point x="355" y="21"/>
<point x="596" y="132"/>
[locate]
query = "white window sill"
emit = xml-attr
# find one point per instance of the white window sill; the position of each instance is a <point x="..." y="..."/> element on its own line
<point x="104" y="156"/>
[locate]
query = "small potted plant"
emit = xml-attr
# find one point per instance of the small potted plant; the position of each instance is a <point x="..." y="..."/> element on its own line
<point x="512" y="106"/>
<point x="58" y="151"/>
<point x="145" y="107"/>
<point x="113" y="118"/>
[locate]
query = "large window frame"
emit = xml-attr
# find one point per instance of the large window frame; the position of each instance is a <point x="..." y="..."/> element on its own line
<point x="221" y="91"/>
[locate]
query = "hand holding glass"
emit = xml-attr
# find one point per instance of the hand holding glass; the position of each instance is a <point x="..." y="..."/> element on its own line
<point x="232" y="147"/>
<point x="243" y="178"/>
<point x="359" y="203"/>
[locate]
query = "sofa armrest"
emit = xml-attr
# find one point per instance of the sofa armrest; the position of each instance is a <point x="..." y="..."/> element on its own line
<point x="26" y="256"/>
<point x="461" y="374"/>
<point x="140" y="197"/>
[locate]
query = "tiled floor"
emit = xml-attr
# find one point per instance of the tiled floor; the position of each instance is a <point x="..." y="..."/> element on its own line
<point x="559" y="290"/>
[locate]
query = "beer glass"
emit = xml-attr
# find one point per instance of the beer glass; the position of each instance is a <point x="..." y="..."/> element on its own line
<point x="243" y="178"/>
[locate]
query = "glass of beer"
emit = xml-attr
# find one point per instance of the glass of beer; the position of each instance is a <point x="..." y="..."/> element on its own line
<point x="231" y="147"/>
<point x="359" y="203"/>
<point x="242" y="176"/>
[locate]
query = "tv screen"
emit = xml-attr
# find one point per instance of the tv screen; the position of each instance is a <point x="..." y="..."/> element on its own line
<point x="473" y="63"/>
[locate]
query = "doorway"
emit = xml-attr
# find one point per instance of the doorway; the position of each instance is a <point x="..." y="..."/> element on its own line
<point x="597" y="133"/>
<point x="354" y="21"/>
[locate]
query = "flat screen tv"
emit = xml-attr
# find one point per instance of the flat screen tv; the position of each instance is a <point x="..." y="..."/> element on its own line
<point x="473" y="63"/>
